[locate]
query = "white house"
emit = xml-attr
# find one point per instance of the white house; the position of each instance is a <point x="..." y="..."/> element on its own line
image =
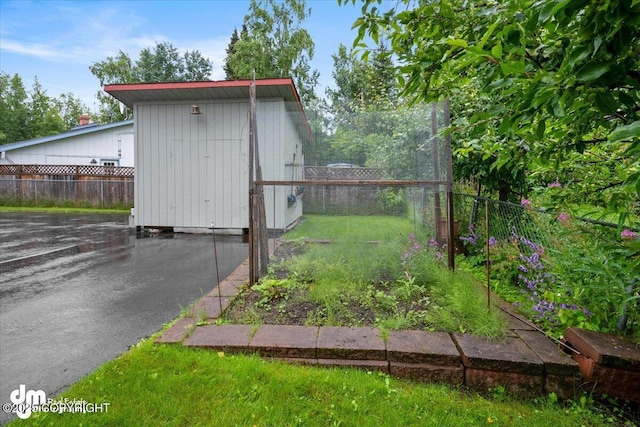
<point x="192" y="151"/>
<point x="89" y="144"/>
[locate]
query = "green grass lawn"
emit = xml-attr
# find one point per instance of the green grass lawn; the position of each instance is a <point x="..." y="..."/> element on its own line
<point x="352" y="228"/>
<point x="58" y="209"/>
<point x="154" y="385"/>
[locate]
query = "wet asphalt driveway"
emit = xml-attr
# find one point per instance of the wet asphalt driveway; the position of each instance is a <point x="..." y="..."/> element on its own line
<point x="76" y="290"/>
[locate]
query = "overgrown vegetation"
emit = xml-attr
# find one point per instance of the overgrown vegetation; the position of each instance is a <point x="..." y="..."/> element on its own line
<point x="561" y="272"/>
<point x="374" y="272"/>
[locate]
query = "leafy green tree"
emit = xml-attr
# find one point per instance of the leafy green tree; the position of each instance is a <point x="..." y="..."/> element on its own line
<point x="163" y="63"/>
<point x="14" y="111"/>
<point x="70" y="108"/>
<point x="557" y="78"/>
<point x="112" y="70"/>
<point x="350" y="75"/>
<point x="160" y="64"/>
<point x="32" y="114"/>
<point x="231" y="50"/>
<point x="44" y="117"/>
<point x="274" y="45"/>
<point x="373" y="127"/>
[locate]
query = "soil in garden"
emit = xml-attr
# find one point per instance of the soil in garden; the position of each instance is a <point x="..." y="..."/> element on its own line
<point x="284" y="305"/>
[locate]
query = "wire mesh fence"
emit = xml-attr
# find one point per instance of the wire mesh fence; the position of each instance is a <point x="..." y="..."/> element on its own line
<point x="381" y="224"/>
<point x="386" y="167"/>
<point x="504" y="219"/>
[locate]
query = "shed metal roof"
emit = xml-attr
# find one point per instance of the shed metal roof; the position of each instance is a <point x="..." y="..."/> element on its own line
<point x="80" y="130"/>
<point x="283" y="88"/>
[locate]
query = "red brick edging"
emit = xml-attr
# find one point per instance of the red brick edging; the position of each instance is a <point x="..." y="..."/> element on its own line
<point x="525" y="362"/>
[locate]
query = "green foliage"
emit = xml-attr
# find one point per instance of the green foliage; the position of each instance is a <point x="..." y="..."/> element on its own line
<point x="392" y="200"/>
<point x="163" y="63"/>
<point x="70" y="108"/>
<point x="272" y="289"/>
<point x="534" y="85"/>
<point x="600" y="270"/>
<point x="44" y="117"/>
<point x="583" y="276"/>
<point x="32" y="114"/>
<point x="273" y="43"/>
<point x="372" y="127"/>
<point x="14" y="113"/>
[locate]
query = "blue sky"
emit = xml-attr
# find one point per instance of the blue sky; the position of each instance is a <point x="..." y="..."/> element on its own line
<point x="57" y="41"/>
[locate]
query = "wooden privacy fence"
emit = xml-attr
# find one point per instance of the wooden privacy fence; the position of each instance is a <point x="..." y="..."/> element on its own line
<point x="99" y="186"/>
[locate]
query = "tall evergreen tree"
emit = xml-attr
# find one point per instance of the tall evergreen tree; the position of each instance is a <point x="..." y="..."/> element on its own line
<point x="230" y="51"/>
<point x="44" y="116"/>
<point x="14" y="110"/>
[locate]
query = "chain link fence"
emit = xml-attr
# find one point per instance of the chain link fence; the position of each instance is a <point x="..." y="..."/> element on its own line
<point x="504" y="219"/>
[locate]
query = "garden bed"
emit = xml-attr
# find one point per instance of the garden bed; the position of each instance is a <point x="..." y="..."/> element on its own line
<point x="395" y="284"/>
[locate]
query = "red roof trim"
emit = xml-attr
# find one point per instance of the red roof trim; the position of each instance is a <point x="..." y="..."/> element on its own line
<point x="209" y="84"/>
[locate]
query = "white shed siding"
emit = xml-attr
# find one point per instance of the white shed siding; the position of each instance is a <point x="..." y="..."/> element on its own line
<point x="278" y="141"/>
<point x="192" y="170"/>
<point x="111" y="144"/>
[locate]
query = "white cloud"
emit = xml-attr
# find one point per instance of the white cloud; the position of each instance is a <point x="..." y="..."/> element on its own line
<point x="37" y="50"/>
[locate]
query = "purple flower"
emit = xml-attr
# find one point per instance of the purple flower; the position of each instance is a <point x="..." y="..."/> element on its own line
<point x="433" y="243"/>
<point x="555" y="184"/>
<point x="525" y="202"/>
<point x="563" y="217"/>
<point x="492" y="241"/>
<point x="628" y="234"/>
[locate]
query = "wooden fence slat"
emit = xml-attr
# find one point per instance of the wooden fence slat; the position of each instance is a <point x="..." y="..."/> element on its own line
<point x="98" y="185"/>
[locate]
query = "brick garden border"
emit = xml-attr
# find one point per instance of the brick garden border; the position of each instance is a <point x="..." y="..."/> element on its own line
<point x="525" y="362"/>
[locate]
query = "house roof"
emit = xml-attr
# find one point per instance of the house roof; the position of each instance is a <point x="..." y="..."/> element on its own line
<point x="283" y="88"/>
<point x="77" y="131"/>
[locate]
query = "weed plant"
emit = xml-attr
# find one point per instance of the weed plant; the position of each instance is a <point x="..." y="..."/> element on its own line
<point x="375" y="272"/>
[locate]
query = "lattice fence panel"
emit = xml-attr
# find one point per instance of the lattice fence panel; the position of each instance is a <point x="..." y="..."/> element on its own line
<point x="65" y="170"/>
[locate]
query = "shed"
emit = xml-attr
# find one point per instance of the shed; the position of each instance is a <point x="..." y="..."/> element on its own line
<point x="91" y="144"/>
<point x="192" y="151"/>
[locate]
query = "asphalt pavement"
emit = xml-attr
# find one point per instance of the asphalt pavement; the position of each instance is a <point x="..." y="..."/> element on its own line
<point x="76" y="290"/>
